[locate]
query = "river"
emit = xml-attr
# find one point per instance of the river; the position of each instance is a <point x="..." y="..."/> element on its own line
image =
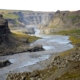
<point x="51" y="43"/>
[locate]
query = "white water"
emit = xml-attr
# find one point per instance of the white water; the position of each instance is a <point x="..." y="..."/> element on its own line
<point x="51" y="44"/>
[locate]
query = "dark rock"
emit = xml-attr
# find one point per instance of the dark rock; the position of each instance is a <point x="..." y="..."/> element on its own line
<point x="35" y="48"/>
<point x="4" y="63"/>
<point x="4" y="30"/>
<point x="3" y="26"/>
<point x="30" y="31"/>
<point x="58" y="11"/>
<point x="11" y="21"/>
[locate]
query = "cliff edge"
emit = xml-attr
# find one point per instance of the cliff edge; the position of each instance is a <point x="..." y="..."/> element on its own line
<point x="4" y="30"/>
<point x="11" y="43"/>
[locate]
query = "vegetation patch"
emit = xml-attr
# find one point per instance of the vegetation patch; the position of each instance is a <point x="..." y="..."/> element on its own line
<point x="20" y="35"/>
<point x="10" y="16"/>
<point x="48" y="72"/>
<point x="74" y="16"/>
<point x="69" y="32"/>
<point x="73" y="73"/>
<point x="74" y="38"/>
<point x="69" y="76"/>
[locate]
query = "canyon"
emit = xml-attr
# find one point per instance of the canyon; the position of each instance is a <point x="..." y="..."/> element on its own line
<point x="57" y="56"/>
<point x="48" y="22"/>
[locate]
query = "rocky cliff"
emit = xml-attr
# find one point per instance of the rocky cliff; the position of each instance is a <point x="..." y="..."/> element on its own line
<point x="6" y="40"/>
<point x="48" y="21"/>
<point x="4" y="30"/>
<point x="64" y="20"/>
<point x="35" y="18"/>
<point x="11" y="43"/>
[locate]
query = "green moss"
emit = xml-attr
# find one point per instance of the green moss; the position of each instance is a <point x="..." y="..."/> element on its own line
<point x="74" y="16"/>
<point x="32" y="38"/>
<point x="74" y="35"/>
<point x="25" y="36"/>
<point x="68" y="75"/>
<point x="75" y="40"/>
<point x="10" y="16"/>
<point x="70" y="32"/>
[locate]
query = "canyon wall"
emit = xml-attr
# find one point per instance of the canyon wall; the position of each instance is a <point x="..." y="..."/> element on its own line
<point x="23" y="18"/>
<point x="63" y="20"/>
<point x="48" y="22"/>
<point x="35" y="18"/>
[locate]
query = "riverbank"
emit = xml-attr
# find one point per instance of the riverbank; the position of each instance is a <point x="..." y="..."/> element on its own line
<point x="21" y="44"/>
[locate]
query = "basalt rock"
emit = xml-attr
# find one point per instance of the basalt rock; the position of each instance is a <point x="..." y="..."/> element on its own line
<point x="4" y="63"/>
<point x="30" y="31"/>
<point x="4" y="30"/>
<point x="35" y="48"/>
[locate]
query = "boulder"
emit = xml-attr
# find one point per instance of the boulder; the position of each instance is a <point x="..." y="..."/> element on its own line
<point x="30" y="31"/>
<point x="35" y="48"/>
<point x="4" y="63"/>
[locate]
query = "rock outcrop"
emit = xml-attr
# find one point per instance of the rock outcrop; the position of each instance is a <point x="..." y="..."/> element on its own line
<point x="9" y="44"/>
<point x="30" y="31"/>
<point x="35" y="48"/>
<point x="6" y="40"/>
<point x="4" y="30"/>
<point x="4" y="63"/>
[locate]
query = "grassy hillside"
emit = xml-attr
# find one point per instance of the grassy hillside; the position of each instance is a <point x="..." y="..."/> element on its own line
<point x="9" y="14"/>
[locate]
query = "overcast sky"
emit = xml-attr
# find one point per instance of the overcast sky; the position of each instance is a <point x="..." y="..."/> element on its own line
<point x="40" y="5"/>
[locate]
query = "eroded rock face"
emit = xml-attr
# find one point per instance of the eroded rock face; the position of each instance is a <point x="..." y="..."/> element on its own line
<point x="4" y="26"/>
<point x="63" y="20"/>
<point x="35" y="18"/>
<point x="4" y="30"/>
